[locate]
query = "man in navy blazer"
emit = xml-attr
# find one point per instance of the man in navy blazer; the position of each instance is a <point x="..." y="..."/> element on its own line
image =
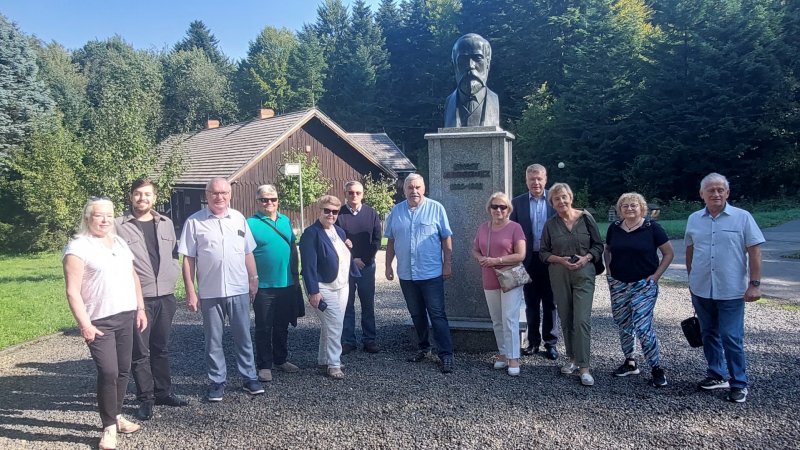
<point x="531" y="211"/>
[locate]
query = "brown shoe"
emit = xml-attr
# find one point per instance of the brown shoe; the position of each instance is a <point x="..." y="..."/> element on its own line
<point x="336" y="373"/>
<point x="265" y="375"/>
<point x="125" y="426"/>
<point x="371" y="347"/>
<point x="288" y="367"/>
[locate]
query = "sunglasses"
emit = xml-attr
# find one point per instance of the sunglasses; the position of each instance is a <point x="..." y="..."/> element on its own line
<point x="328" y="211"/>
<point x="267" y="200"/>
<point x="500" y="207"/>
<point x="354" y="193"/>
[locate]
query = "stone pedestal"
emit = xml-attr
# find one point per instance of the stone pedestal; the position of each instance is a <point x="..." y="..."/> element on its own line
<point x="467" y="165"/>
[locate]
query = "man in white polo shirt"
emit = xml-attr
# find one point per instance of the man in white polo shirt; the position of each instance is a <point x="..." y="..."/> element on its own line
<point x="217" y="246"/>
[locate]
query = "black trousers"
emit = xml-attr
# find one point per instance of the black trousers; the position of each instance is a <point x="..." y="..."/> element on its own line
<point x="272" y="307"/>
<point x="540" y="309"/>
<point x="151" y="370"/>
<point x="111" y="353"/>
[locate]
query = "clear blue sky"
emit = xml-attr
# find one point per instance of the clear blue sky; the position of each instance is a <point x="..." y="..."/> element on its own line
<point x="149" y="24"/>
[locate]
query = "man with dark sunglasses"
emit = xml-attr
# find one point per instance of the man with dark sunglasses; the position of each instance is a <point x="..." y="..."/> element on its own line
<point x="275" y="304"/>
<point x="363" y="227"/>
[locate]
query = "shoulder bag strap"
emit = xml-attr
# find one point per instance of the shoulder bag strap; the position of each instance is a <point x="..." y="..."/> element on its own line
<point x="489" y="241"/>
<point x="276" y="230"/>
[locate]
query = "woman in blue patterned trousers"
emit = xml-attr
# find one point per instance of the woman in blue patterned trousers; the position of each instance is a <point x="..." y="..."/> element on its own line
<point x="633" y="270"/>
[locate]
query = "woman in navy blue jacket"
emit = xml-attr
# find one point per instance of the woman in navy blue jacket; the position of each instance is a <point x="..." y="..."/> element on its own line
<point x="327" y="267"/>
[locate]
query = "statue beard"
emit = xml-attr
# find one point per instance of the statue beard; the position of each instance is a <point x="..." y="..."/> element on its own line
<point x="470" y="84"/>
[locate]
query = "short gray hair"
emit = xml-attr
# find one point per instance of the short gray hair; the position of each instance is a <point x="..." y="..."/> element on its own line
<point x="216" y="179"/>
<point x="266" y="189"/>
<point x="352" y="183"/>
<point x="557" y="189"/>
<point x="712" y="177"/>
<point x="411" y="177"/>
<point x="535" y="168"/>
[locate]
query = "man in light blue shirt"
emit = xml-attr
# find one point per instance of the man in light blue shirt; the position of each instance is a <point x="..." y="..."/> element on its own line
<point x="419" y="235"/>
<point x="722" y="243"/>
<point x="217" y="247"/>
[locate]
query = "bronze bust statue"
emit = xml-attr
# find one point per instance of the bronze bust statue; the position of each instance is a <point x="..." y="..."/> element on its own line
<point x="472" y="104"/>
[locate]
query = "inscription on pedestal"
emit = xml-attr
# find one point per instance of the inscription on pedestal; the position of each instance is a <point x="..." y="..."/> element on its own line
<point x="470" y="170"/>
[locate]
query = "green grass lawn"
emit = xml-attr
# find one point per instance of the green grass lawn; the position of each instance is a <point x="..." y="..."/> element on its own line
<point x="33" y="298"/>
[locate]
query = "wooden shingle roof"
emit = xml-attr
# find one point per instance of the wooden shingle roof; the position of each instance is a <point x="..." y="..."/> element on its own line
<point x="385" y="150"/>
<point x="230" y="150"/>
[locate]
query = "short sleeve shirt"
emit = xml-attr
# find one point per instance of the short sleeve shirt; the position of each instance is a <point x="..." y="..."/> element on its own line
<point x="719" y="257"/>
<point x="634" y="255"/>
<point x="417" y="235"/>
<point x="219" y="246"/>
<point x="272" y="252"/>
<point x="502" y="244"/>
<point x="108" y="286"/>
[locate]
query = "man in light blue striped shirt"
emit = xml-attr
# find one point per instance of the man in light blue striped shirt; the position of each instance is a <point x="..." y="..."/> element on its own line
<point x="419" y="235"/>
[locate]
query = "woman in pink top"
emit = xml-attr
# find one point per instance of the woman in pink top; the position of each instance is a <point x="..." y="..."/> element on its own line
<point x="105" y="298"/>
<point x="501" y="242"/>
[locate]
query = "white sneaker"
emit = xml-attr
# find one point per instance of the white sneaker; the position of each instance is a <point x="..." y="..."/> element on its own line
<point x="125" y="426"/>
<point x="586" y="379"/>
<point x="500" y="365"/>
<point x="108" y="440"/>
<point x="513" y="371"/>
<point x="568" y="368"/>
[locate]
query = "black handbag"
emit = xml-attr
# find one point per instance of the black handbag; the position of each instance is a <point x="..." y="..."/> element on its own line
<point x="691" y="329"/>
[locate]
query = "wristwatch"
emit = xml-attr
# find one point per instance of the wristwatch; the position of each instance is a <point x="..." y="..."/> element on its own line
<point x="755" y="283"/>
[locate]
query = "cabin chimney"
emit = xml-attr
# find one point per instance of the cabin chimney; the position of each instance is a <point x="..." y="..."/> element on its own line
<point x="211" y="123"/>
<point x="266" y="113"/>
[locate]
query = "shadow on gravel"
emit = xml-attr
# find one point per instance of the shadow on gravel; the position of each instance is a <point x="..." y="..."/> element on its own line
<point x="64" y="386"/>
<point x="45" y="438"/>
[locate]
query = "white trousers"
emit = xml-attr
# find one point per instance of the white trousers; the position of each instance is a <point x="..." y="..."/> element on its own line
<point x="504" y="310"/>
<point x="331" y="323"/>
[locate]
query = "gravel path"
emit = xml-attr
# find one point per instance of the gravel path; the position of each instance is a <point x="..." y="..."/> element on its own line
<point x="47" y="394"/>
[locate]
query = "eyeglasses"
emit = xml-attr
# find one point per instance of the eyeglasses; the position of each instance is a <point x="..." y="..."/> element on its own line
<point x="219" y="193"/>
<point x="500" y="207"/>
<point x="328" y="211"/>
<point x="267" y="200"/>
<point x="631" y="206"/>
<point x="354" y="193"/>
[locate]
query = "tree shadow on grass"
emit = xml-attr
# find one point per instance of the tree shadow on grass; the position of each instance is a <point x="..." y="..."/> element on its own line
<point x="31" y="278"/>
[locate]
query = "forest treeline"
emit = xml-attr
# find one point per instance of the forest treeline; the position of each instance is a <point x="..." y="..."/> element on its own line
<point x="628" y="94"/>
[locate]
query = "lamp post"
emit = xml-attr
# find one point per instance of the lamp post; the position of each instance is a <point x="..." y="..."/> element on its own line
<point x="291" y="170"/>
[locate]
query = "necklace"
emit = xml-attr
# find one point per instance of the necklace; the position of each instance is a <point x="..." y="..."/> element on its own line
<point x="632" y="227"/>
<point x="331" y="232"/>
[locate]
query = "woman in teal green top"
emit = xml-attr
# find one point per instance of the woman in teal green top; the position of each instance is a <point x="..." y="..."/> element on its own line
<point x="570" y="242"/>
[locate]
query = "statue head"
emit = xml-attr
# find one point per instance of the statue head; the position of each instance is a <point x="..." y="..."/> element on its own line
<point x="472" y="56"/>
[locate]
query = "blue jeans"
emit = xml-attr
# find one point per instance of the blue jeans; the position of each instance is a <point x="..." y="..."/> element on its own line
<point x="365" y="286"/>
<point x="424" y="299"/>
<point x="722" y="328"/>
<point x="237" y="310"/>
